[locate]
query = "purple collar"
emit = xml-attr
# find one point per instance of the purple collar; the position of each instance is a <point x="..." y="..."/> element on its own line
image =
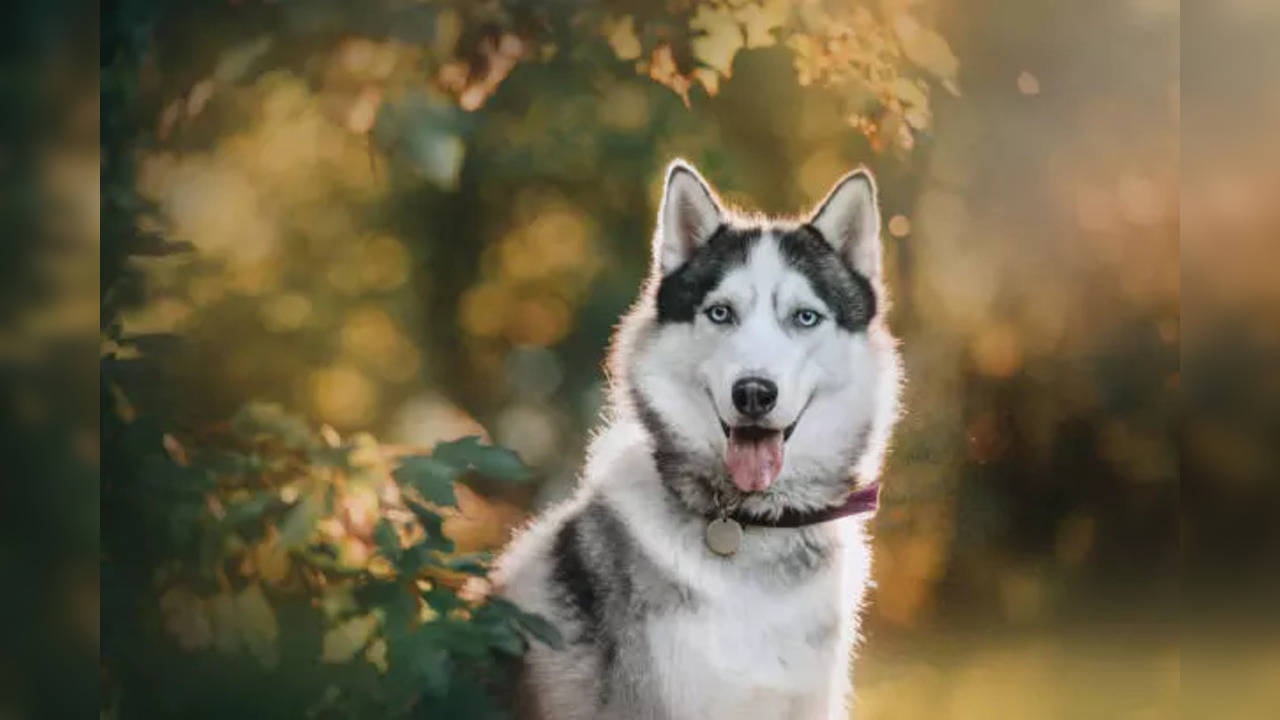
<point x="863" y="500"/>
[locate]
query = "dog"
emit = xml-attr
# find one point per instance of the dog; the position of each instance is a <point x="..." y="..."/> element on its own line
<point x="713" y="560"/>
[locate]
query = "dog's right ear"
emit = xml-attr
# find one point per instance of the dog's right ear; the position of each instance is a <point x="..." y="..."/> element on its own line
<point x="688" y="216"/>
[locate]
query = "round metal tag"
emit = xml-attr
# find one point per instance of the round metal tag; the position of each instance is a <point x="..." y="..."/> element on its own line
<point x="724" y="536"/>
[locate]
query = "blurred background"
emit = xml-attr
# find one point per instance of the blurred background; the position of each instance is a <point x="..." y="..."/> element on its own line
<point x="376" y="227"/>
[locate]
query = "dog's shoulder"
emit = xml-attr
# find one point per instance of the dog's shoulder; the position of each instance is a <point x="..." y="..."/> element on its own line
<point x="549" y="543"/>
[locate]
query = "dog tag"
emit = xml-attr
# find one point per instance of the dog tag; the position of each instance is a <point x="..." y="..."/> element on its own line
<point x="724" y="536"/>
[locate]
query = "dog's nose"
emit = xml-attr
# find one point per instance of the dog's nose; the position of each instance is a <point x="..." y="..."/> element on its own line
<point x="754" y="396"/>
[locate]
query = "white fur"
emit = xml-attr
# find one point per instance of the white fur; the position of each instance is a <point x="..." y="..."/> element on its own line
<point x="742" y="652"/>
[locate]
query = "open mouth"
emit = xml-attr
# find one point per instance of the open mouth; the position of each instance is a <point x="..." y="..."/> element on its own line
<point x="752" y="429"/>
<point x="753" y="455"/>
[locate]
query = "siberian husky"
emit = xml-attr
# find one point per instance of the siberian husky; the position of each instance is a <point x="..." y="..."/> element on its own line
<point x="713" y="560"/>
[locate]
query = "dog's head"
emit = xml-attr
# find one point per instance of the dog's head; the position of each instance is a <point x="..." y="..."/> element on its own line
<point x="757" y="356"/>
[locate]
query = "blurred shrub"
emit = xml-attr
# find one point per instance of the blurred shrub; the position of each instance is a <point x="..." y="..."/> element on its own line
<point x="269" y="570"/>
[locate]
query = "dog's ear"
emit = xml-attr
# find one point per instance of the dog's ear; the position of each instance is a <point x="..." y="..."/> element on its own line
<point x="688" y="216"/>
<point x="849" y="219"/>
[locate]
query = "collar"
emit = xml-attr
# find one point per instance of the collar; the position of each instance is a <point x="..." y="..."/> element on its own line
<point x="863" y="500"/>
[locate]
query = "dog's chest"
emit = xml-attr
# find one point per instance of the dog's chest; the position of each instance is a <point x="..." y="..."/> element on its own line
<point x="750" y="652"/>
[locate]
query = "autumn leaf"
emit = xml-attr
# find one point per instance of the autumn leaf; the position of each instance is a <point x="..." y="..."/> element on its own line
<point x="475" y="82"/>
<point x="915" y="103"/>
<point x="270" y="558"/>
<point x="804" y="49"/>
<point x="721" y="40"/>
<point x="709" y="79"/>
<point x="928" y="49"/>
<point x="620" y="33"/>
<point x="759" y="21"/>
<point x="662" y="68"/>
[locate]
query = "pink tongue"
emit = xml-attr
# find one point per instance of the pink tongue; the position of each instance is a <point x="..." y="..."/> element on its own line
<point x="753" y="460"/>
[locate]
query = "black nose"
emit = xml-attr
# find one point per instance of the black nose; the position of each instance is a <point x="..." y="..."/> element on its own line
<point x="754" y="396"/>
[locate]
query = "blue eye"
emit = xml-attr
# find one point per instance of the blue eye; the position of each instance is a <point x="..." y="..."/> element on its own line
<point x="807" y="318"/>
<point x="720" y="314"/>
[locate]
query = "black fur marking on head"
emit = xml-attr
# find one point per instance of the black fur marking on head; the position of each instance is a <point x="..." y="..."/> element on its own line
<point x="846" y="291"/>
<point x="681" y="293"/>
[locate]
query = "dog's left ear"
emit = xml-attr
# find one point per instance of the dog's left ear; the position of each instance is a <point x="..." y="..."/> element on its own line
<point x="689" y="215"/>
<point x="849" y="219"/>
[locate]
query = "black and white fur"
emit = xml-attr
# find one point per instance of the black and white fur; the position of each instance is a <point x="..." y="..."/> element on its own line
<point x="657" y="625"/>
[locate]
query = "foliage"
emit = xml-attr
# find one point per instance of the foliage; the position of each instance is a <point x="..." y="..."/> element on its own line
<point x="876" y="63"/>
<point x="324" y="564"/>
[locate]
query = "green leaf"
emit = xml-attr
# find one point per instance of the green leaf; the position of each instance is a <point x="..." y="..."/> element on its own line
<point x="464" y="639"/>
<point x="344" y="640"/>
<point x="505" y="639"/>
<point x="425" y="552"/>
<point x="504" y="610"/>
<point x="541" y="629"/>
<point x="434" y="667"/>
<point x="471" y="563"/>
<point x="259" y="419"/>
<point x="535" y="625"/>
<point x="396" y="602"/>
<point x="491" y="461"/>
<point x="249" y="510"/>
<point x="497" y="619"/>
<point x="433" y="525"/>
<point x="388" y="541"/>
<point x="299" y="522"/>
<point x="431" y="477"/>
<point x="418" y="661"/>
<point x="226" y="462"/>
<point x="330" y="494"/>
<point x="442" y="600"/>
